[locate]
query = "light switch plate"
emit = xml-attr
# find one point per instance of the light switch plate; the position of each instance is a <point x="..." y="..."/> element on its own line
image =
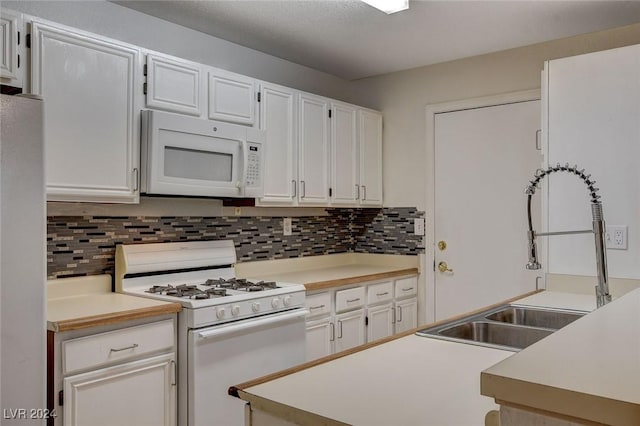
<point x="287" y="227"/>
<point x="418" y="226"/>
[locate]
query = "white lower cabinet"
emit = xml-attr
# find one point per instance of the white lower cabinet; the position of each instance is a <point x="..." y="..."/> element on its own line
<point x="349" y="330"/>
<point x="115" y="375"/>
<point x="379" y="322"/>
<point x="340" y="319"/>
<point x="320" y="337"/>
<point x="406" y="316"/>
<point x="139" y="392"/>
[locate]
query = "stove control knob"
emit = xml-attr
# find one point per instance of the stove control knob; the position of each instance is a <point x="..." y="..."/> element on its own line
<point x="235" y="310"/>
<point x="220" y="313"/>
<point x="255" y="306"/>
<point x="287" y="300"/>
<point x="275" y="303"/>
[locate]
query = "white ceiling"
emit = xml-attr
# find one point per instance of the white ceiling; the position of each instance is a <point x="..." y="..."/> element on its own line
<point x="352" y="40"/>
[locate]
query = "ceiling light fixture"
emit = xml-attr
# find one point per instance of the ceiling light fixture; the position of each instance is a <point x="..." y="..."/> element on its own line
<point x="389" y="6"/>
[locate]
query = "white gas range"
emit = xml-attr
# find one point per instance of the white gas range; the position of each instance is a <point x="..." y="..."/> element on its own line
<point x="230" y="330"/>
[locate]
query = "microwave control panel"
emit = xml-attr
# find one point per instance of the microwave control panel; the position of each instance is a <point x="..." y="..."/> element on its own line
<point x="253" y="164"/>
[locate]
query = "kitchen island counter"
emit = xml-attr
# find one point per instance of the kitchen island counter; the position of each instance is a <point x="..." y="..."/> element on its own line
<point x="588" y="371"/>
<point x="408" y="381"/>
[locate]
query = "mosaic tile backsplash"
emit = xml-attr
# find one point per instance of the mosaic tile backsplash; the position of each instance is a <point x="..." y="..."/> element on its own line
<point x="85" y="245"/>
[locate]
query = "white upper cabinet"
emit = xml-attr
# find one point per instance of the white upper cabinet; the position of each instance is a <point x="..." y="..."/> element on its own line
<point x="313" y="150"/>
<point x="91" y="122"/>
<point x="10" y="66"/>
<point x="370" y="136"/>
<point x="232" y="97"/>
<point x="174" y="85"/>
<point x="345" y="188"/>
<point x="278" y="111"/>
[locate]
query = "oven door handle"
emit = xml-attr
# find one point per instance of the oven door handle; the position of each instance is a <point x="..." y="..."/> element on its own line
<point x="252" y="323"/>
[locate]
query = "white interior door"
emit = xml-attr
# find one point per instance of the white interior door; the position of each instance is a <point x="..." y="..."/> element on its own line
<point x="484" y="158"/>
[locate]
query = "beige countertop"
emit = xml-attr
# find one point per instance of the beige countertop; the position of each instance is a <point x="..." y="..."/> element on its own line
<point x="81" y="302"/>
<point x="408" y="381"/>
<point x="320" y="272"/>
<point x="589" y="370"/>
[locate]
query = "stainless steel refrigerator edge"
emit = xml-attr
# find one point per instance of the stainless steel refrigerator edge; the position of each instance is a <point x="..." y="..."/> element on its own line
<point x="22" y="261"/>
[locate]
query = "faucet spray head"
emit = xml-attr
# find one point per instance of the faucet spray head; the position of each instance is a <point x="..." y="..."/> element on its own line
<point x="533" y="263"/>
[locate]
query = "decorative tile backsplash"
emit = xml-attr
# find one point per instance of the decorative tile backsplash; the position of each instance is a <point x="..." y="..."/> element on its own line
<point x="85" y="245"/>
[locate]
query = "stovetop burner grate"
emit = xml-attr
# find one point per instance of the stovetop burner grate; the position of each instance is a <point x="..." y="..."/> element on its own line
<point x="212" y="288"/>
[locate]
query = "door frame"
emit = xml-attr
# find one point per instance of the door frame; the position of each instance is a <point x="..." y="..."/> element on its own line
<point x="431" y="111"/>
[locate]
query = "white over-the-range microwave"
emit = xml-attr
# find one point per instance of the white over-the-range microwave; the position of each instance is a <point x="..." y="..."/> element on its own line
<point x="198" y="157"/>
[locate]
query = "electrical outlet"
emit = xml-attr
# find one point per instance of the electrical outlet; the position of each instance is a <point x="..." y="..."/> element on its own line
<point x="418" y="226"/>
<point x="287" y="227"/>
<point x="616" y="237"/>
<point x="237" y="211"/>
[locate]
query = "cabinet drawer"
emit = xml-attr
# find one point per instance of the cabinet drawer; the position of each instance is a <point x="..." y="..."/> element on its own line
<point x="318" y="304"/>
<point x="116" y="346"/>
<point x="406" y="287"/>
<point x="380" y="292"/>
<point x="349" y="299"/>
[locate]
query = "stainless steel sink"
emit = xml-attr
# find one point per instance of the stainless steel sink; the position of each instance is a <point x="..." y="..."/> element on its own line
<point x="496" y="333"/>
<point x="535" y="317"/>
<point x="510" y="327"/>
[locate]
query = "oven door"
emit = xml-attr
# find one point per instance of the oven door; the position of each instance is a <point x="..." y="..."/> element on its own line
<point x="226" y="355"/>
<point x="190" y="156"/>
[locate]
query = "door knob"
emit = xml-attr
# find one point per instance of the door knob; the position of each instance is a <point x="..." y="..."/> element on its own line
<point x="443" y="267"/>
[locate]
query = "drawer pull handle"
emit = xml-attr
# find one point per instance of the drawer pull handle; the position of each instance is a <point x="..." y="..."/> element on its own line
<point x="135" y="345"/>
<point x="382" y="294"/>
<point x="316" y="307"/>
<point x="407" y="288"/>
<point x="353" y="300"/>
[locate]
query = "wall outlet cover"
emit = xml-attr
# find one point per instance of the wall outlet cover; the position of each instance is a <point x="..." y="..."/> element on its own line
<point x="418" y="226"/>
<point x="616" y="237"/>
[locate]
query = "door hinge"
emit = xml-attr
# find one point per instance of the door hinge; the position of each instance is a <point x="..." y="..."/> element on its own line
<point x="259" y="97"/>
<point x="144" y="70"/>
<point x="366" y="320"/>
<point x="144" y="88"/>
<point x="61" y="398"/>
<point x="18" y="61"/>
<point x="27" y="40"/>
<point x="329" y="113"/>
<point x="18" y="38"/>
<point x="330" y="192"/>
<point x="538" y="140"/>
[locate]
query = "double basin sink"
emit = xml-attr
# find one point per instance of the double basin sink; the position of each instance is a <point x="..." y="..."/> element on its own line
<point x="510" y="327"/>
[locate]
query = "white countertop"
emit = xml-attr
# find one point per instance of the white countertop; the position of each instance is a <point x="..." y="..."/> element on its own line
<point x="560" y="300"/>
<point x="81" y="302"/>
<point x="589" y="369"/>
<point x="333" y="270"/>
<point x="409" y="381"/>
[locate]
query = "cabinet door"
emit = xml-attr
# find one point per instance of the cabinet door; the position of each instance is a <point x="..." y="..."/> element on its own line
<point x="9" y="63"/>
<point x="349" y="330"/>
<point x="379" y="322"/>
<point x="278" y="117"/>
<point x="232" y="97"/>
<point x="406" y="314"/>
<point x="313" y="144"/>
<point x="344" y="150"/>
<point x="173" y="85"/>
<point x="320" y="336"/>
<point x="370" y="158"/>
<point x="90" y="118"/>
<point x="136" y="393"/>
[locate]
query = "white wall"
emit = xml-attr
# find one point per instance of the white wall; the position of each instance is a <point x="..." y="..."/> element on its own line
<point x="594" y="122"/>
<point x="403" y="96"/>
<point x="133" y="27"/>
